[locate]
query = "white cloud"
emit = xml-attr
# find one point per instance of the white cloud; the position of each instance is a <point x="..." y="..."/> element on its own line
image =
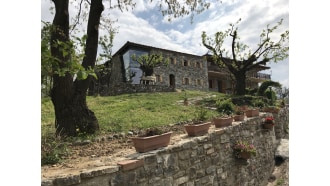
<point x="178" y="35"/>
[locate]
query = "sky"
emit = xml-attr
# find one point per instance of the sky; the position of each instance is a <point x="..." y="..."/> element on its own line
<point x="309" y="130"/>
<point x="146" y="25"/>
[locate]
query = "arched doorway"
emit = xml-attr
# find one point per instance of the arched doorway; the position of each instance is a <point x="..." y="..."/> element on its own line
<point x="172" y="80"/>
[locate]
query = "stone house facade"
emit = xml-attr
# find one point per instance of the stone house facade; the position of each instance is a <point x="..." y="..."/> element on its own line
<point x="183" y="71"/>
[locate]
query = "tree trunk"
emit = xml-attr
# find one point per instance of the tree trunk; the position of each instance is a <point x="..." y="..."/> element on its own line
<point x="72" y="115"/>
<point x="240" y="82"/>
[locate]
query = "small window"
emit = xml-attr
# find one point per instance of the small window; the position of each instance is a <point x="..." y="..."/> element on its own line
<point x="198" y="65"/>
<point x="210" y="84"/>
<point x="185" y="63"/>
<point x="199" y="82"/>
<point x="158" y="78"/>
<point x="186" y="81"/>
<point x="172" y="61"/>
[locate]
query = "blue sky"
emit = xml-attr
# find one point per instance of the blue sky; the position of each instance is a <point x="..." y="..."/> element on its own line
<point x="146" y="25"/>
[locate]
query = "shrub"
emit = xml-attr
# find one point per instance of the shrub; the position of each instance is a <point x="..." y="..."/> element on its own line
<point x="200" y="114"/>
<point x="259" y="103"/>
<point x="225" y="106"/>
<point x="242" y="100"/>
<point x="52" y="151"/>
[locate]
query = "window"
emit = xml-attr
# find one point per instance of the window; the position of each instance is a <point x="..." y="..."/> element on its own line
<point x="185" y="63"/>
<point x="186" y="81"/>
<point x="158" y="78"/>
<point x="210" y="84"/>
<point x="198" y="82"/>
<point x="132" y="67"/>
<point x="198" y="65"/>
<point x="172" y="61"/>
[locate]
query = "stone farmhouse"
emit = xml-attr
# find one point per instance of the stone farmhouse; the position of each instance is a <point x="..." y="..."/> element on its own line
<point x="183" y="71"/>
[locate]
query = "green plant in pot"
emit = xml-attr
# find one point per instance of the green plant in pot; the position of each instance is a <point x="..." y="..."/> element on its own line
<point x="199" y="125"/>
<point x="239" y="114"/>
<point x="152" y="139"/>
<point x="225" y="108"/>
<point x="244" y="149"/>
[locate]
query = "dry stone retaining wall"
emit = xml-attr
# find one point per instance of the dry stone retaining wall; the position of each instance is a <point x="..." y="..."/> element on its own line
<point x="205" y="160"/>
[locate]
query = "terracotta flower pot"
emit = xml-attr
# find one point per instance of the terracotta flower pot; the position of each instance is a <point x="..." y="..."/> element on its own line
<point x="197" y="129"/>
<point x="244" y="155"/>
<point x="144" y="144"/>
<point x="223" y="122"/>
<point x="271" y="110"/>
<point x="252" y="113"/>
<point x="239" y="117"/>
<point x="268" y="125"/>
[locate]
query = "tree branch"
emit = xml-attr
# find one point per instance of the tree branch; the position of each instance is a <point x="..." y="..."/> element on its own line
<point x="78" y="16"/>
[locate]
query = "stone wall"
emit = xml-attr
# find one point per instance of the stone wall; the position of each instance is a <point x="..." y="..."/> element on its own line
<point x="195" y="70"/>
<point x="127" y="88"/>
<point x="204" y="160"/>
<point x="282" y="123"/>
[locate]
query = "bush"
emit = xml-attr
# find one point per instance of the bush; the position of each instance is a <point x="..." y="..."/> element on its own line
<point x="242" y="100"/>
<point x="201" y="114"/>
<point x="52" y="151"/>
<point x="259" y="103"/>
<point x="225" y="106"/>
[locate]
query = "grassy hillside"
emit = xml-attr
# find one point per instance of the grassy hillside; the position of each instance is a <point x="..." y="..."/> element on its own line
<point x="132" y="111"/>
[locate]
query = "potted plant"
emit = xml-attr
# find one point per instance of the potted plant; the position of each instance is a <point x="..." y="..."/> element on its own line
<point x="152" y="139"/>
<point x="244" y="150"/>
<point x="239" y="114"/>
<point x="252" y="112"/>
<point x="199" y="126"/>
<point x="225" y="109"/>
<point x="271" y="109"/>
<point x="269" y="122"/>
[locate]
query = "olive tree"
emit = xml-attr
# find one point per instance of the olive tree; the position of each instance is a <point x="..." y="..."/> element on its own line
<point x="239" y="58"/>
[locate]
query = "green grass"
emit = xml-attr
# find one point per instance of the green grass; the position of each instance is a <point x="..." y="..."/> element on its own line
<point x="134" y="111"/>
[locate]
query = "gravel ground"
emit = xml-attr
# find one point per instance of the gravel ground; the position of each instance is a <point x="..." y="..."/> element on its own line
<point x="280" y="176"/>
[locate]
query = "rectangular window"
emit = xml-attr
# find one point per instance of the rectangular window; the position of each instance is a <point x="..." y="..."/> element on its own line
<point x="172" y="61"/>
<point x="199" y="82"/>
<point x="185" y="63"/>
<point x="158" y="78"/>
<point x="198" y="64"/>
<point x="210" y="84"/>
<point x="186" y="81"/>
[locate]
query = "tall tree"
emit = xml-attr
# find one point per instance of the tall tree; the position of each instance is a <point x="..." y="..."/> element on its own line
<point x="68" y="94"/>
<point x="242" y="58"/>
<point x="69" y="97"/>
<point x="149" y="61"/>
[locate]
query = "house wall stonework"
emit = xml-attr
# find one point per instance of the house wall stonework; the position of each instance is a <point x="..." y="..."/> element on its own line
<point x="188" y="71"/>
<point x="203" y="160"/>
<point x="195" y="71"/>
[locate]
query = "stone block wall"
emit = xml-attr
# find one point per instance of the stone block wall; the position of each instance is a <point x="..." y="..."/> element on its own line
<point x="282" y="123"/>
<point x="204" y="160"/>
<point x="127" y="88"/>
<point x="192" y="71"/>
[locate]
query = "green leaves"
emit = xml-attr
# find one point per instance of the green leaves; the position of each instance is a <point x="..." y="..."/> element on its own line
<point x="54" y="66"/>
